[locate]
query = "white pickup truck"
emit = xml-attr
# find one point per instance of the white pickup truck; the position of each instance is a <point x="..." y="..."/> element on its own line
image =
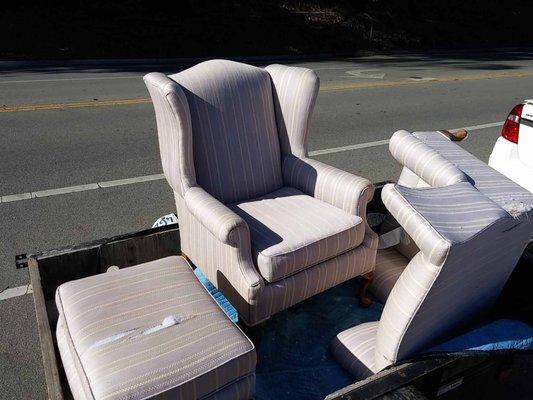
<point x="512" y="154"/>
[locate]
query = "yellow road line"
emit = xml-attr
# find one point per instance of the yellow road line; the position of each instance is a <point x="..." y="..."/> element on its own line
<point x="332" y="87"/>
<point x="80" y="104"/>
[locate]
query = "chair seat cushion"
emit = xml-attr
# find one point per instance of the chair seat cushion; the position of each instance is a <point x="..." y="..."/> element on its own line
<point x="354" y="349"/>
<point x="291" y="231"/>
<point x="149" y="329"/>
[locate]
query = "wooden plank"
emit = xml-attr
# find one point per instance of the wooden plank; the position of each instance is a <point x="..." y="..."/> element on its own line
<point x="390" y="379"/>
<point x="80" y="261"/>
<point x="53" y="384"/>
<point x="59" y="269"/>
<point x="139" y="249"/>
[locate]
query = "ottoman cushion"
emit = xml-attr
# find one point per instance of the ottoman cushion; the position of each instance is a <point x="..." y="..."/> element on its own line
<point x="147" y="330"/>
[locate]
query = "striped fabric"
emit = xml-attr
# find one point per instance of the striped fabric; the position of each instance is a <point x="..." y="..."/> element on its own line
<point x="425" y="162"/>
<point x="354" y="349"/>
<point x="341" y="189"/>
<point x="243" y="388"/>
<point x="511" y="197"/>
<point x="457" y="212"/>
<point x="78" y="388"/>
<point x="230" y="133"/>
<point x="470" y="234"/>
<point x="291" y="231"/>
<point x="463" y="288"/>
<point x="232" y="270"/>
<point x="215" y="216"/>
<point x="437" y="217"/>
<point x="174" y="131"/>
<point x="235" y="139"/>
<point x="295" y="92"/>
<point x="148" y="330"/>
<point x="389" y="266"/>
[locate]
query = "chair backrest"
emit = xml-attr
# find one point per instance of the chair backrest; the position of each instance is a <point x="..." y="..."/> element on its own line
<point x="224" y="122"/>
<point x="469" y="245"/>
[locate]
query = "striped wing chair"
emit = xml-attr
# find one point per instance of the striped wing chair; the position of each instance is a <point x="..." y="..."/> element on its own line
<point x="268" y="226"/>
<point x="469" y="226"/>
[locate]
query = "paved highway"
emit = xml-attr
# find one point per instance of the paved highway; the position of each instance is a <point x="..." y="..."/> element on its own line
<point x="79" y="157"/>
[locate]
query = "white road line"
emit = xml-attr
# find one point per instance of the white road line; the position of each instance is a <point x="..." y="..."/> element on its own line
<point x="101" y="78"/>
<point x="15" y="292"/>
<point x="482" y="126"/>
<point x="80" y="188"/>
<point x="129" y="181"/>
<point x="64" y="190"/>
<point x="348" y="148"/>
<point x="386" y="141"/>
<point x="155" y="177"/>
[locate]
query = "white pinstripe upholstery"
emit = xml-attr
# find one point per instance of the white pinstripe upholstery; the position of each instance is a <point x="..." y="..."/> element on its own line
<point x="78" y="388"/>
<point x="437" y="217"/>
<point x="341" y="189"/>
<point x="295" y="92"/>
<point x="113" y="345"/>
<point x="354" y="349"/>
<point x="231" y="134"/>
<point x="230" y="267"/>
<point x="495" y="186"/>
<point x="469" y="244"/>
<point x="234" y="131"/>
<point x="292" y="231"/>
<point x="425" y="162"/>
<point x="390" y="264"/>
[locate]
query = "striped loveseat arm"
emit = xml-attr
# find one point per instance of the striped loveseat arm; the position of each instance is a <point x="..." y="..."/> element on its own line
<point x="422" y="160"/>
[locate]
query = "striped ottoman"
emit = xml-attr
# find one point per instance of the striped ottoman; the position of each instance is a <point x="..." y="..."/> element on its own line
<point x="147" y="331"/>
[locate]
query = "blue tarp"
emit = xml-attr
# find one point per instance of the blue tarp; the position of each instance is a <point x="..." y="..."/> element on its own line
<point x="502" y="334"/>
<point x="293" y="346"/>
<point x="230" y="311"/>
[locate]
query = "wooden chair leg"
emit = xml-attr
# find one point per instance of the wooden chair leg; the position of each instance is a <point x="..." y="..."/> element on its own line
<point x="364" y="298"/>
<point x="186" y="257"/>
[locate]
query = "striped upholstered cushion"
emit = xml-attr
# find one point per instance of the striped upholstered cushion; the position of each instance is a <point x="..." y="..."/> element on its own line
<point x="234" y="133"/>
<point x="354" y="349"/>
<point x="149" y="329"/>
<point x="291" y="231"/>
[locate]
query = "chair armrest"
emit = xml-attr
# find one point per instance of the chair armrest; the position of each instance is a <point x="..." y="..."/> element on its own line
<point x="341" y="189"/>
<point x="228" y="227"/>
<point x="231" y="231"/>
<point x="424" y="161"/>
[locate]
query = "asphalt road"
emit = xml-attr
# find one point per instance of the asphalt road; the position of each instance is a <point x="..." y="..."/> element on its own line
<point x="94" y="124"/>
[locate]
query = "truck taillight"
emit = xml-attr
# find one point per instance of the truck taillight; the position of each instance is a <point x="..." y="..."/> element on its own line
<point x="511" y="125"/>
